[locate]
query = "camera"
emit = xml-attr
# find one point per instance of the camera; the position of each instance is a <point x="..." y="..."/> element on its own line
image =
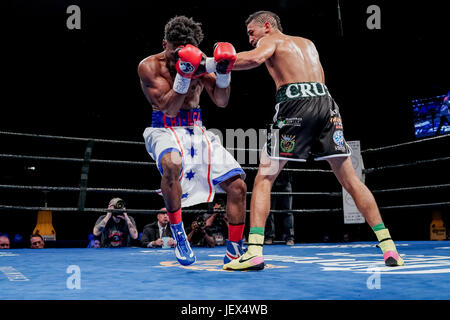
<point x="200" y="221"/>
<point x="120" y="204"/>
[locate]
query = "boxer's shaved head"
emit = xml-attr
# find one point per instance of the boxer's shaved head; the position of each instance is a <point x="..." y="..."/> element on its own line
<point x="262" y="17"/>
<point x="181" y="30"/>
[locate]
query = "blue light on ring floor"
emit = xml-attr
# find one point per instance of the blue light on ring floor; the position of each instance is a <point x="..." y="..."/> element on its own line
<point x="336" y="271"/>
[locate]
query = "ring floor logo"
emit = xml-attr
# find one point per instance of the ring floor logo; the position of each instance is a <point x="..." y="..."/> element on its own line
<point x="361" y="262"/>
<point x="340" y="260"/>
<point x="200" y="265"/>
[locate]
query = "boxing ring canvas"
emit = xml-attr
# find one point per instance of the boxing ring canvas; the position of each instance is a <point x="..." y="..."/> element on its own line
<point x="322" y="271"/>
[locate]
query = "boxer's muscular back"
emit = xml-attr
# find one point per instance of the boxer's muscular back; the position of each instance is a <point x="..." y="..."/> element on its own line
<point x="295" y="60"/>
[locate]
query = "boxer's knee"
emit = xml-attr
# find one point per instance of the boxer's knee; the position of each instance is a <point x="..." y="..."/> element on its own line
<point x="262" y="179"/>
<point x="171" y="165"/>
<point x="239" y="188"/>
<point x="236" y="189"/>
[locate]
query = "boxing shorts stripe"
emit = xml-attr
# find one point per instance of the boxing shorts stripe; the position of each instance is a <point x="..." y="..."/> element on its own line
<point x="205" y="162"/>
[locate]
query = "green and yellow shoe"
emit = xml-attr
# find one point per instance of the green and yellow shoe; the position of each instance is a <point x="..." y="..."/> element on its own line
<point x="251" y="260"/>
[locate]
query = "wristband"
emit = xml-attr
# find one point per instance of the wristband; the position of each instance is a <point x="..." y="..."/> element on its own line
<point x="223" y="80"/>
<point x="210" y="65"/>
<point x="181" y="84"/>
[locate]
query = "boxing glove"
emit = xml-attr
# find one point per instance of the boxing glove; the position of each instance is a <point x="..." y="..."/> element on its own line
<point x="224" y="57"/>
<point x="188" y="59"/>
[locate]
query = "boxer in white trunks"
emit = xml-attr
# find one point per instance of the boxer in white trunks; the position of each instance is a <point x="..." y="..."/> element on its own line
<point x="192" y="161"/>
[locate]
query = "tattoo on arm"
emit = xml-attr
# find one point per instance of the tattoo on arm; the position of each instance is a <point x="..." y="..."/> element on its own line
<point x="100" y="226"/>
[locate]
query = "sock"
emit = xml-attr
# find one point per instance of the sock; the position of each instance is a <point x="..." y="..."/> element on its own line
<point x="255" y="241"/>
<point x="257" y="230"/>
<point x="235" y="232"/>
<point x="378" y="227"/>
<point x="384" y="238"/>
<point x="174" y="217"/>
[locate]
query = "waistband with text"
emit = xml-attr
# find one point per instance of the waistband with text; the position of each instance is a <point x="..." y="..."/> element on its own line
<point x="184" y="118"/>
<point x="300" y="90"/>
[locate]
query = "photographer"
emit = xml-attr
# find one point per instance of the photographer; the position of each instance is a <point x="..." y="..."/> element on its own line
<point x="198" y="233"/>
<point x="116" y="229"/>
<point x="209" y="229"/>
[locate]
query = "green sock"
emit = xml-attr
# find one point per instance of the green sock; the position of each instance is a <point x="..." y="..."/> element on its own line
<point x="378" y="227"/>
<point x="257" y="230"/>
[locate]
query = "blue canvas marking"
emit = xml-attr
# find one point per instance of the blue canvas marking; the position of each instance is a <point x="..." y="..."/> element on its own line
<point x="336" y="271"/>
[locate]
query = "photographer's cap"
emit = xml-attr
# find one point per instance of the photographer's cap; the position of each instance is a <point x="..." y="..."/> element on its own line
<point x="114" y="201"/>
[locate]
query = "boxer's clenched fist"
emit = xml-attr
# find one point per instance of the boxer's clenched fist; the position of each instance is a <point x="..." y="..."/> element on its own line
<point x="224" y="56"/>
<point x="188" y="58"/>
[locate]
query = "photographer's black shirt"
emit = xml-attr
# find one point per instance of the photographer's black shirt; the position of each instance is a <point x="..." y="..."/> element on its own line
<point x="115" y="234"/>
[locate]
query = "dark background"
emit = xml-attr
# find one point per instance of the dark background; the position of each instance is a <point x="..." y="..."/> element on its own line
<point x="83" y="83"/>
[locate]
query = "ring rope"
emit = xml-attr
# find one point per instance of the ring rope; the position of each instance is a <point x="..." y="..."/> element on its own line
<point x="126" y="162"/>
<point x="403" y="144"/>
<point x="143" y="163"/>
<point x="105" y="161"/>
<point x="239" y="149"/>
<point x="138" y="191"/>
<point x="147" y="191"/>
<point x="421" y="188"/>
<point x="70" y="138"/>
<point x="422" y="205"/>
<point x="192" y="211"/>
<point x="144" y="211"/>
<point x="402" y="165"/>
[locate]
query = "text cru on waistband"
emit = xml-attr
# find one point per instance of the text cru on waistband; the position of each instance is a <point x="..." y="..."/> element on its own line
<point x="301" y="90"/>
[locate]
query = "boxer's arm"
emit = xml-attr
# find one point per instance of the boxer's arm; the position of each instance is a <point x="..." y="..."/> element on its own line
<point x="254" y="58"/>
<point x="220" y="96"/>
<point x="158" y="90"/>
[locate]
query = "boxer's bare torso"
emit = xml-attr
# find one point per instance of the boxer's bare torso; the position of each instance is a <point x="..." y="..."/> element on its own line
<point x="157" y="70"/>
<point x="157" y="73"/>
<point x="288" y="59"/>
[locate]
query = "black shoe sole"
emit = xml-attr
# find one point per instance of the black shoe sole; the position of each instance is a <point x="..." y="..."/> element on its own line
<point x="391" y="262"/>
<point x="258" y="267"/>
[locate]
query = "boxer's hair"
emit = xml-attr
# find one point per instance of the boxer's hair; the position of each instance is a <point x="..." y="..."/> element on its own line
<point x="181" y="30"/>
<point x="263" y="17"/>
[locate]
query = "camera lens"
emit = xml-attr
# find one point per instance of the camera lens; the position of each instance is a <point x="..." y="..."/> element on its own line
<point x="119" y="204"/>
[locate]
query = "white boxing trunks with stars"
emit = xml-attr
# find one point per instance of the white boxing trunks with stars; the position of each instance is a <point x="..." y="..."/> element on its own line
<point x="205" y="162"/>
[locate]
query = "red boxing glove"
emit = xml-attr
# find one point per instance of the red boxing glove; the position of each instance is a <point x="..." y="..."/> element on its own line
<point x="188" y="60"/>
<point x="225" y="57"/>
